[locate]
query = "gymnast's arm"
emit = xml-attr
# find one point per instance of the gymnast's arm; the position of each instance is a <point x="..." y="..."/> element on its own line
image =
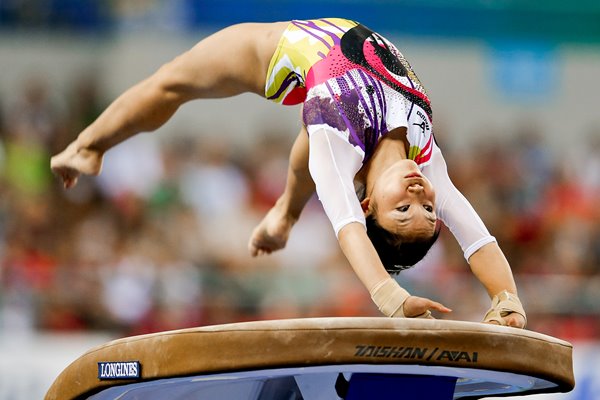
<point x="485" y="258"/>
<point x="333" y="163"/>
<point x="299" y="186"/>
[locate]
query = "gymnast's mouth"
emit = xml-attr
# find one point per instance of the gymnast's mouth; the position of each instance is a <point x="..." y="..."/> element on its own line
<point x="413" y="175"/>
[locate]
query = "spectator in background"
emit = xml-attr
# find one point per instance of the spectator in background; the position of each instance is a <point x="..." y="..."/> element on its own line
<point x="32" y="122"/>
<point x="211" y="183"/>
<point x="590" y="169"/>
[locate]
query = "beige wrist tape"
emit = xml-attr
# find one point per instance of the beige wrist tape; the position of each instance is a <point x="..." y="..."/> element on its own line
<point x="503" y="304"/>
<point x="389" y="297"/>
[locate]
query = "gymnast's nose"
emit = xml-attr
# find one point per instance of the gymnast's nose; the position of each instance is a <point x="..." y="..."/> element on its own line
<point x="415" y="188"/>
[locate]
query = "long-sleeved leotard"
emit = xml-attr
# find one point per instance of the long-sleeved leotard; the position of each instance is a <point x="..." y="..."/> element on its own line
<point x="356" y="87"/>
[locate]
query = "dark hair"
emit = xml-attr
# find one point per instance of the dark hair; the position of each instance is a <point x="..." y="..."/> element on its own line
<point x="395" y="252"/>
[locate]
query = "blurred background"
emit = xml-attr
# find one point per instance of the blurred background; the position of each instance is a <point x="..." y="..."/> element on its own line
<point x="158" y="241"/>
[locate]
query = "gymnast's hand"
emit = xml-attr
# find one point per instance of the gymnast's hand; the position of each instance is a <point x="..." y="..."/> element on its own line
<point x="513" y="319"/>
<point x="421" y="307"/>
<point x="506" y="310"/>
<point x="394" y="301"/>
<point x="74" y="161"/>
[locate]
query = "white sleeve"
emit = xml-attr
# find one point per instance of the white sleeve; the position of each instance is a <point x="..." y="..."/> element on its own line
<point x="333" y="162"/>
<point x="454" y="209"/>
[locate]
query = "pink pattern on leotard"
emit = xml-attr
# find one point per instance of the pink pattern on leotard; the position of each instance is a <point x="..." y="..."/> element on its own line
<point x="336" y="64"/>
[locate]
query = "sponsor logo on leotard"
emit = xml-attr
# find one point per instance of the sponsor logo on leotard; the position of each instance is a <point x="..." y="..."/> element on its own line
<point x="424" y="125"/>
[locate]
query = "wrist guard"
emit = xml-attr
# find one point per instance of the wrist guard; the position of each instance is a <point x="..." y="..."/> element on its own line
<point x="389" y="297"/>
<point x="504" y="303"/>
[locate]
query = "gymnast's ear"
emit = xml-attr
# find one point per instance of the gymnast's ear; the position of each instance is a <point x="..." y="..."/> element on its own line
<point x="365" y="206"/>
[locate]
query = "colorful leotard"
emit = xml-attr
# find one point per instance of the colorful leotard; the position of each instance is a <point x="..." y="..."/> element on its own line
<point x="356" y="87"/>
<point x="301" y="46"/>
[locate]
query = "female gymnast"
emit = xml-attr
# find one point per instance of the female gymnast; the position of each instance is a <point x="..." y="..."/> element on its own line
<point x="367" y="124"/>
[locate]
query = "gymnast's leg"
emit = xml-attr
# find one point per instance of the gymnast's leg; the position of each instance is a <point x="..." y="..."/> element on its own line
<point x="232" y="61"/>
<point x="273" y="231"/>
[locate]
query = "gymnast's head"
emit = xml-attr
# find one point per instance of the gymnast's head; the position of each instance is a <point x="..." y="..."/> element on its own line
<point x="400" y="215"/>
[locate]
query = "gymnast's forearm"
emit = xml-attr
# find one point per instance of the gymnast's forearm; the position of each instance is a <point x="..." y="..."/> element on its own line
<point x="492" y="269"/>
<point x="361" y="255"/>
<point x="299" y="186"/>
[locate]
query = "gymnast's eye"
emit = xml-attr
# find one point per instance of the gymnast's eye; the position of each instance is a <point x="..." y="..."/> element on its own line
<point x="428" y="208"/>
<point x="403" y="208"/>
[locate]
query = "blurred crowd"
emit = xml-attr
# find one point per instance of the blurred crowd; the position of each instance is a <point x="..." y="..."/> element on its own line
<point x="159" y="240"/>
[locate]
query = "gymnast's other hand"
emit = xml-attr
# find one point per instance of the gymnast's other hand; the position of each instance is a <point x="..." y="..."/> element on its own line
<point x="506" y="310"/>
<point x="74" y="161"/>
<point x="514" y="320"/>
<point x="272" y="233"/>
<point x="421" y="307"/>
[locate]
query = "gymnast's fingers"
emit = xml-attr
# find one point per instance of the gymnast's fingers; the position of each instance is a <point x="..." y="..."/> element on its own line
<point x="67" y="175"/>
<point x="434" y="305"/>
<point x="415" y="306"/>
<point x="492" y="322"/>
<point x="256" y="251"/>
<point x="515" y="320"/>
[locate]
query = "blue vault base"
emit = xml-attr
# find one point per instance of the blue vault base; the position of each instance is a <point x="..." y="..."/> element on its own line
<point x="349" y="382"/>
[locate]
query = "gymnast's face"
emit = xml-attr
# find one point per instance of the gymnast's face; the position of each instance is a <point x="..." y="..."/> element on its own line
<point x="403" y="201"/>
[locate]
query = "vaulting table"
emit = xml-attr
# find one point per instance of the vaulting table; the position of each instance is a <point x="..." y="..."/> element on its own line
<point x="322" y="359"/>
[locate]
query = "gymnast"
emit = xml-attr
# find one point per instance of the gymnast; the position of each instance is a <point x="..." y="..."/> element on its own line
<point x="366" y="147"/>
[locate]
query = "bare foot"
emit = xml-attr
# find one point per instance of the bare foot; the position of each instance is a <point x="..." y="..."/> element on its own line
<point x="72" y="162"/>
<point x="272" y="233"/>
